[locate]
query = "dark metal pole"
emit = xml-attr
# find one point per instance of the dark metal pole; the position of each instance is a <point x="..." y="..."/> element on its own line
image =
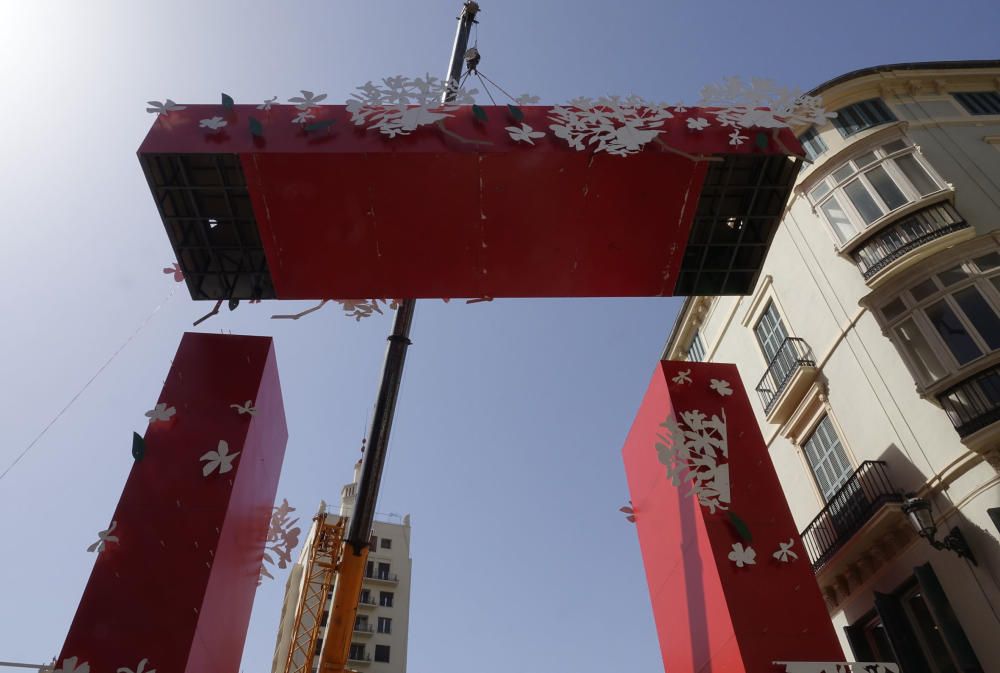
<point x="377" y="444"/>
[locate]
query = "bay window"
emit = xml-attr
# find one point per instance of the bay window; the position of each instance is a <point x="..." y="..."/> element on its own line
<point x="948" y="320"/>
<point x="870" y="186"/>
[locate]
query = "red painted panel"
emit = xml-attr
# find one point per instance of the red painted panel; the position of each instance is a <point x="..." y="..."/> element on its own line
<point x="710" y="614"/>
<point x="177" y="588"/>
<point x="348" y="212"/>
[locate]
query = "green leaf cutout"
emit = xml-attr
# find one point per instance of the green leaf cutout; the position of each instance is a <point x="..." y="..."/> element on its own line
<point x="227" y="101"/>
<point x="479" y="113"/>
<point x="138" y="446"/>
<point x="740" y="526"/>
<point x="319" y="126"/>
<point x="515" y="113"/>
<point x="256" y="128"/>
<point x="762" y="141"/>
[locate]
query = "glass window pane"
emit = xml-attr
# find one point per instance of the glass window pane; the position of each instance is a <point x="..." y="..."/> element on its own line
<point x="863" y="201"/>
<point x="987" y="262"/>
<point x="865" y="159"/>
<point x="916" y="174"/>
<point x="913" y="342"/>
<point x="922" y="290"/>
<point x="893" y="309"/>
<point x="844" y="172"/>
<point x="827" y="458"/>
<point x="982" y="316"/>
<point x="841" y="224"/>
<point x="953" y="275"/>
<point x="894" y="146"/>
<point x="886" y="187"/>
<point x="819" y="191"/>
<point x="930" y="634"/>
<point x="953" y="333"/>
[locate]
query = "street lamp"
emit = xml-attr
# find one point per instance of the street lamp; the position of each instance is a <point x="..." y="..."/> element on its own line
<point x="918" y="511"/>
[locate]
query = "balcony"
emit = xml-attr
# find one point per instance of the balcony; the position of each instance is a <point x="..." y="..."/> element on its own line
<point x="359" y="657"/>
<point x="911" y="232"/>
<point x="974" y="403"/>
<point x="367" y="602"/>
<point x="854" y="505"/>
<point x="789" y="374"/>
<point x="364" y="629"/>
<point x="388" y="578"/>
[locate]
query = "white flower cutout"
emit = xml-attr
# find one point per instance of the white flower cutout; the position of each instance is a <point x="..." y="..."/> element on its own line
<point x="682" y="377"/>
<point x="526" y="99"/>
<point x="721" y="387"/>
<point x="69" y="666"/>
<point x="141" y="668"/>
<point x="161" y="412"/>
<point x="524" y="133"/>
<point x="214" y="123"/>
<point x="220" y="458"/>
<point x="785" y="553"/>
<point x="175" y="270"/>
<point x="697" y="123"/>
<point x="742" y="556"/>
<point x="307" y="100"/>
<point x="736" y="138"/>
<point x="163" y="108"/>
<point x="303" y="117"/>
<point x="266" y="105"/>
<point x="247" y="408"/>
<point x="103" y="537"/>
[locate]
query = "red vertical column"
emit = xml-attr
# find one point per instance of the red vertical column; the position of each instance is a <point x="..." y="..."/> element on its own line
<point x="731" y="584"/>
<point x="175" y="581"/>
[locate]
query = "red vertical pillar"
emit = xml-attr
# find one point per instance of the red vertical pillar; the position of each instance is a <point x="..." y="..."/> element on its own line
<point x="731" y="584"/>
<point x="177" y="585"/>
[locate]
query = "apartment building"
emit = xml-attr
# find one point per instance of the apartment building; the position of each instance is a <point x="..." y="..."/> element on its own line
<point x="873" y="341"/>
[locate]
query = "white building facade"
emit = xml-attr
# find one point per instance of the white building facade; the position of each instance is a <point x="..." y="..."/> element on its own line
<point x="382" y="623"/>
<point x="873" y="341"/>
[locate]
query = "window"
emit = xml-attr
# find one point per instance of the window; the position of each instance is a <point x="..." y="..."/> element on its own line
<point x="812" y="144"/>
<point x="927" y="632"/>
<point x="696" y="353"/>
<point x="319" y="647"/>
<point x="980" y="102"/>
<point x="878" y="640"/>
<point x="325" y="618"/>
<point x="385" y="599"/>
<point x="357" y="652"/>
<point x="382" y="653"/>
<point x="373" y="543"/>
<point x="386" y="543"/>
<point x="827" y="458"/>
<point x="948" y="320"/>
<point x="360" y="623"/>
<point x="384" y="625"/>
<point x="771" y="332"/>
<point x="370" y="569"/>
<point x="870" y="186"/>
<point x="862" y="115"/>
<point x="383" y="571"/>
<point x="366" y="596"/>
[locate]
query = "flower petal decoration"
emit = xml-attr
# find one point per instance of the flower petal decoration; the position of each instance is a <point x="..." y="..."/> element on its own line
<point x="247" y="408"/>
<point x="303" y="117"/>
<point x="736" y="138"/>
<point x="266" y="105"/>
<point x="141" y="668"/>
<point x="161" y="412"/>
<point x="103" y="537"/>
<point x="164" y="108"/>
<point x="697" y="123"/>
<point x="683" y="377"/>
<point x="213" y="123"/>
<point x="721" y="387"/>
<point x="69" y="665"/>
<point x="307" y="100"/>
<point x="176" y="270"/>
<point x="742" y="556"/>
<point x="785" y="553"/>
<point x="524" y="133"/>
<point x="219" y="459"/>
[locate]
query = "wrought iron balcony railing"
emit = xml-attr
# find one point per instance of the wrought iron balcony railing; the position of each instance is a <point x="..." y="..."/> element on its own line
<point x="974" y="403"/>
<point x="850" y="508"/>
<point x="383" y="577"/>
<point x="792" y="354"/>
<point x="909" y="233"/>
<point x="364" y="628"/>
<point x="359" y="656"/>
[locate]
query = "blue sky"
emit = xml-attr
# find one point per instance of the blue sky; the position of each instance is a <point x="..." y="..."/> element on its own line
<point x="506" y="449"/>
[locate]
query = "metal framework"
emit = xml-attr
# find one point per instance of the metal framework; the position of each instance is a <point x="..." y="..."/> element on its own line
<point x="317" y="582"/>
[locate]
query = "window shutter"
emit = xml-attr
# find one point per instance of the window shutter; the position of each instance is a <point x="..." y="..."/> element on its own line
<point x="859" y="644"/>
<point x="901" y="637"/>
<point x="944" y="616"/>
